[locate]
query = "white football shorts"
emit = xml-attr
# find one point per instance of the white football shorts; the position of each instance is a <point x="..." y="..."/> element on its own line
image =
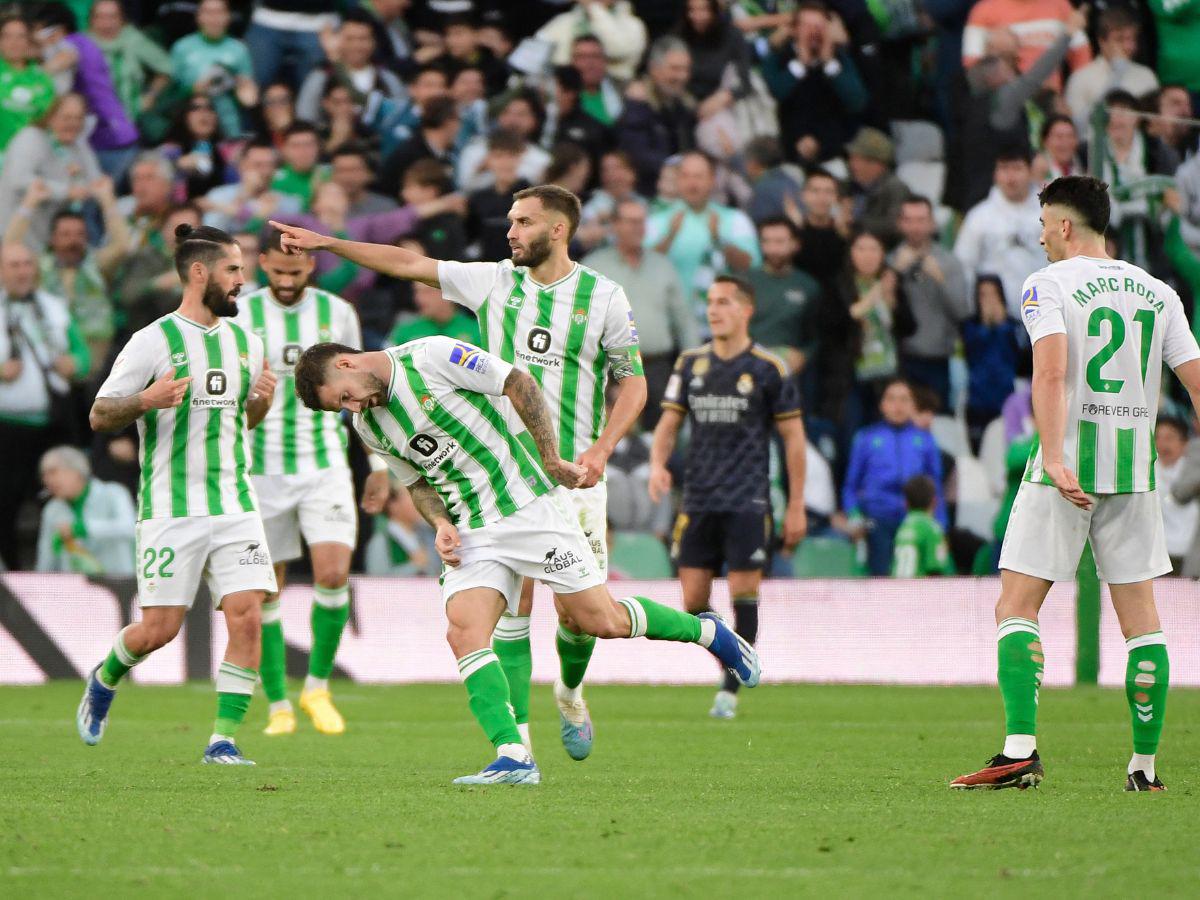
<point x="318" y="505"/>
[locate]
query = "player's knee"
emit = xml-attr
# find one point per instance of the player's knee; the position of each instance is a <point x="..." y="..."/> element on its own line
<point x="465" y="640"/>
<point x="332" y="580"/>
<point x="159" y="634"/>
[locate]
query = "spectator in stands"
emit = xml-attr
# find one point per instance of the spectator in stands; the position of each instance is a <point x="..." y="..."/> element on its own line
<point x="349" y="63"/>
<point x="397" y="545"/>
<point x="599" y="96"/>
<point x="26" y="91"/>
<point x="433" y="140"/>
<point x="195" y="146"/>
<point x="1185" y="490"/>
<point x="720" y="70"/>
<point x="1059" y="156"/>
<point x="665" y="318"/>
<point x="1179" y="518"/>
<point x="55" y="150"/>
<point x="1174" y="105"/>
<point x="216" y="65"/>
<point x="284" y="38"/>
<point x="570" y="167"/>
<point x="700" y="236"/>
<point x="487" y="207"/>
<point x="397" y="122"/>
<point x="1036" y="24"/>
<point x="277" y="113"/>
<point x="883" y="458"/>
<point x="817" y="84"/>
<point x="823" y="228"/>
<point x="785" y="298"/>
<point x="393" y="38"/>
<point x="339" y="123"/>
<point x="40" y="353"/>
<point x="523" y="115"/>
<point x="87" y="526"/>
<point x="775" y="187"/>
<point x="573" y="124"/>
<point x="920" y="547"/>
<point x="613" y="22"/>
<point x="71" y="270"/>
<point x="249" y="201"/>
<point x="1117" y="39"/>
<point x="936" y="289"/>
<point x="1178" y="29"/>
<point x="1001" y="235"/>
<point x="301" y="171"/>
<point x="140" y="68"/>
<point x="150" y="285"/>
<point x="618" y="183"/>
<point x="875" y="192"/>
<point x="250" y="243"/>
<point x="992" y="344"/>
<point x="442" y="235"/>
<point x="463" y="50"/>
<point x="435" y="316"/>
<point x="151" y="186"/>
<point x="659" y="119"/>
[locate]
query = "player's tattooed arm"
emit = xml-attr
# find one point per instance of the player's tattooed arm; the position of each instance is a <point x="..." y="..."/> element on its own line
<point x="428" y="503"/>
<point x="116" y="413"/>
<point x="530" y="405"/>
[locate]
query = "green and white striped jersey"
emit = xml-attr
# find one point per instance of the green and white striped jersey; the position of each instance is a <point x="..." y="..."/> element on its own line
<point x="194" y="457"/>
<point x="566" y="335"/>
<point x="1121" y="325"/>
<point x="446" y="419"/>
<point x="293" y="438"/>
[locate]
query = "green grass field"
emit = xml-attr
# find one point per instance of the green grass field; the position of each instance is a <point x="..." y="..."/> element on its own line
<point x="821" y="791"/>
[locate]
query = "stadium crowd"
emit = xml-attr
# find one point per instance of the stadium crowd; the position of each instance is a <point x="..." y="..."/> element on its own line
<point x="871" y="169"/>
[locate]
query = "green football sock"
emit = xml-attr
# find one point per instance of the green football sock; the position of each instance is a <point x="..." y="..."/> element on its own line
<point x="273" y="667"/>
<point x="487" y="693"/>
<point x="510" y="642"/>
<point x="658" y="622"/>
<point x="118" y="662"/>
<point x="574" y="653"/>
<point x="1147" y="676"/>
<point x="1019" y="671"/>
<point x="330" y="613"/>
<point x="235" y="687"/>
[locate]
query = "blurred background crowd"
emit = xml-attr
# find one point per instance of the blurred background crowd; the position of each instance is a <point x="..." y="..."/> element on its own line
<point x="870" y="166"/>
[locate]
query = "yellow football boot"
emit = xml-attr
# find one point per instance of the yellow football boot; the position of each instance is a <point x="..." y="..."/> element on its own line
<point x="319" y="706"/>
<point x="282" y="721"/>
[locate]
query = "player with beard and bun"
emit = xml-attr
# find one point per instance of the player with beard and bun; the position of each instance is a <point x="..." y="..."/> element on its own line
<point x="195" y="382"/>
<point x="301" y="475"/>
<point x="570" y="328"/>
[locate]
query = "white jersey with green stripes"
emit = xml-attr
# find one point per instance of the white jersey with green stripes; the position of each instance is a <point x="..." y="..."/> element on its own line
<point x="567" y="335"/>
<point x="1122" y="325"/>
<point x="446" y="419"/>
<point x="194" y="457"/>
<point x="293" y="438"/>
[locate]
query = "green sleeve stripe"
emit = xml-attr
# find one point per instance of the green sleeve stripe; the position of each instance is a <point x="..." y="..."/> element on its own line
<point x="1086" y="453"/>
<point x="1153" y="458"/>
<point x="319" y="417"/>
<point x="1126" y="442"/>
<point x="258" y="437"/>
<point x="469" y="500"/>
<point x="570" y="383"/>
<point x="245" y="500"/>
<point x="481" y="315"/>
<point x="212" y="432"/>
<point x="512" y="309"/>
<point x="599" y="375"/>
<point x="384" y="441"/>
<point x="545" y="318"/>
<point x="179" y="433"/>
<point x="149" y="444"/>
<point x="291" y="323"/>
<point x="471" y="444"/>
<point x="531" y="471"/>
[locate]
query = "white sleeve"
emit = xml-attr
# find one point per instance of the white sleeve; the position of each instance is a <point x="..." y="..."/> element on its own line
<point x="461" y="365"/>
<point x="258" y="352"/>
<point x="620" y="331"/>
<point x="406" y="473"/>
<point x="136" y="366"/>
<point x="467" y="283"/>
<point x="1042" y="307"/>
<point x="350" y="332"/>
<point x="1179" y="344"/>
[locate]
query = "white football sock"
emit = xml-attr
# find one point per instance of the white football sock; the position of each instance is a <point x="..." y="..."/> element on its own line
<point x="1143" y="761"/>
<point x="1020" y="746"/>
<point x="312" y="683"/>
<point x="514" y="751"/>
<point x="280" y="705"/>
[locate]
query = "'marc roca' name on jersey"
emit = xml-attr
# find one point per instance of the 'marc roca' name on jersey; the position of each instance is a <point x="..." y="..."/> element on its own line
<point x="566" y="335"/>
<point x="294" y="438"/>
<point x="732" y="405"/>
<point x="193" y="457"/>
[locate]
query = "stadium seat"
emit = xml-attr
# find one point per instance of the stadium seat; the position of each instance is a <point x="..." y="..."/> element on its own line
<point x="977" y="505"/>
<point x="825" y="557"/>
<point x="928" y="179"/>
<point x="918" y="141"/>
<point x="993" y="448"/>
<point x="951" y="435"/>
<point x="636" y="554"/>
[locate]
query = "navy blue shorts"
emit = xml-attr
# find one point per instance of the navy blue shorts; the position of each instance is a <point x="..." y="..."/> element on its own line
<point x="723" y="541"/>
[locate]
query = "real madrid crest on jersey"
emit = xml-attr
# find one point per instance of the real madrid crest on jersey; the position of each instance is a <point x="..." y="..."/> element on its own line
<point x="745" y="384"/>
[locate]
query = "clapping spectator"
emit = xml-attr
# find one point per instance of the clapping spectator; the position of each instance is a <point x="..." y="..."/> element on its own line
<point x="26" y="91"/>
<point x="1036" y="24"/>
<point x="195" y="145"/>
<point x="216" y="65"/>
<point x="618" y="183"/>
<point x="1117" y="39"/>
<point x="349" y="64"/>
<point x="433" y="140"/>
<point x="88" y="525"/>
<point x="659" y="119"/>
<point x="140" y="68"/>
<point x="613" y="22"/>
<point x="992" y="344"/>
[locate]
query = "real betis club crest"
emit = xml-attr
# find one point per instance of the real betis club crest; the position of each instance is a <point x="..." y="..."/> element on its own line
<point x="579" y="317"/>
<point x="427" y="403"/>
<point x="324" y="335"/>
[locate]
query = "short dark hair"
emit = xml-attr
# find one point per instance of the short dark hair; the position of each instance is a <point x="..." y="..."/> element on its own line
<point x="822" y="173"/>
<point x="765" y="150"/>
<point x="564" y="157"/>
<point x="425" y="68"/>
<point x="1115" y="18"/>
<point x="352" y="148"/>
<point x="312" y="369"/>
<point x="745" y="288"/>
<point x="1014" y="153"/>
<point x="56" y="14"/>
<point x="589" y="39"/>
<point x="557" y="199"/>
<point x="1123" y="99"/>
<point x="203" y="244"/>
<point x="430" y="172"/>
<point x="64" y="214"/>
<point x="926" y="399"/>
<point x="1174" y="422"/>
<point x="301" y="127"/>
<point x="506" y="141"/>
<point x="438" y="112"/>
<point x="1051" y="121"/>
<point x="919" y="492"/>
<point x="568" y="78"/>
<point x="780" y="222"/>
<point x="1082" y="194"/>
<point x="918" y="200"/>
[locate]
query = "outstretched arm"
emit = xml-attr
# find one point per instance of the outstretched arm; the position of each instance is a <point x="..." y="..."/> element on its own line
<point x="530" y="405"/>
<point x="394" y="261"/>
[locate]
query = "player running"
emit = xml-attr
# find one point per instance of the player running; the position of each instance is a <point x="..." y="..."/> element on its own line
<point x="194" y="381"/>
<point x="1101" y="331"/>
<point x="734" y="393"/>
<point x="298" y="464"/>
<point x="570" y="328"/>
<point x="434" y="409"/>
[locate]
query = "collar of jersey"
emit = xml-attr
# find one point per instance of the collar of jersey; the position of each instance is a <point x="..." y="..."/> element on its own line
<point x="546" y="287"/>
<point x="194" y="324"/>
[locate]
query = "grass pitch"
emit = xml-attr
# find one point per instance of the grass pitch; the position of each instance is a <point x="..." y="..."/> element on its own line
<point x="813" y="791"/>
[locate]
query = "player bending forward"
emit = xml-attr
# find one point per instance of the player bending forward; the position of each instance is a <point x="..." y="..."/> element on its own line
<point x="1101" y="331"/>
<point x="194" y="381"/>
<point x="445" y="417"/>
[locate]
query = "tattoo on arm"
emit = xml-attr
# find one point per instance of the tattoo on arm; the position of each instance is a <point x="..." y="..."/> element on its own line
<point x="114" y="413"/>
<point x="527" y="399"/>
<point x="428" y="503"/>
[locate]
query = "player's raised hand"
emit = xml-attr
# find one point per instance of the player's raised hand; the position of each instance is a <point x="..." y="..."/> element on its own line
<point x="264" y="386"/>
<point x="376" y="489"/>
<point x="567" y="473"/>
<point x="660" y="483"/>
<point x="593" y="459"/>
<point x="296" y="239"/>
<point x="1068" y="484"/>
<point x="167" y="392"/>
<point x="447" y="543"/>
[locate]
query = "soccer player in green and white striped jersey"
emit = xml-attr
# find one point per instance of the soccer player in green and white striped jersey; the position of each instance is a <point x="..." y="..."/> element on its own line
<point x="473" y="440"/>
<point x="570" y="328"/>
<point x="1102" y="330"/>
<point x="194" y="381"/>
<point x="298" y="463"/>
